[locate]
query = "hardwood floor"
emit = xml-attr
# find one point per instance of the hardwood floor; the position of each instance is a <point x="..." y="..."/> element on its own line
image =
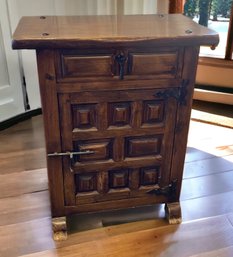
<point x="206" y="199"/>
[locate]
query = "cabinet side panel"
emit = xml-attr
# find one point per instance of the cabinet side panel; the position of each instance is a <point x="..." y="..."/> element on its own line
<point x="45" y="60"/>
<point x="183" y="115"/>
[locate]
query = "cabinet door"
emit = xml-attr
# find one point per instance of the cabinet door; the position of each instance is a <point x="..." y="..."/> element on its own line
<point x="131" y="136"/>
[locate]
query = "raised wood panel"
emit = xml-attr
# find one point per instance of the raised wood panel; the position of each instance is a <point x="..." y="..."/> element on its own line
<point x="89" y="65"/>
<point x="129" y="158"/>
<point x="102" y="150"/>
<point x="140" y="146"/>
<point x="153" y="112"/>
<point x="115" y="184"/>
<point x="86" y="182"/>
<point x="160" y="64"/>
<point x="149" y="175"/>
<point x="86" y="66"/>
<point x="118" y="178"/>
<point x="84" y="116"/>
<point x="119" y="114"/>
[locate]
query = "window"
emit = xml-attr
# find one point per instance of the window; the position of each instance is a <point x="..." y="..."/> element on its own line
<point x="217" y="15"/>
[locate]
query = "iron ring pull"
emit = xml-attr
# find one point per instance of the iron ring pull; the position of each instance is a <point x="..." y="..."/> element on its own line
<point x="121" y="59"/>
<point x="71" y="154"/>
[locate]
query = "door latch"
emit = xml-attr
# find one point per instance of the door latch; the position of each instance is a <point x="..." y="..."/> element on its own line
<point x="71" y="155"/>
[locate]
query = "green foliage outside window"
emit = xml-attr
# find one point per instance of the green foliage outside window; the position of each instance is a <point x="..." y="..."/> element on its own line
<point x="206" y="9"/>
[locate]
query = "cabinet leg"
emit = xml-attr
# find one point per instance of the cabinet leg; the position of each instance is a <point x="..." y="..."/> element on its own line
<point x="173" y="213"/>
<point x="59" y="228"/>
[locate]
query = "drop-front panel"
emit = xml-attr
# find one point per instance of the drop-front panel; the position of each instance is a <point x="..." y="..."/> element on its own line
<point x="116" y="95"/>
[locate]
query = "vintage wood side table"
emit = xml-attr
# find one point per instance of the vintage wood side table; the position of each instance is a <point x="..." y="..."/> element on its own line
<point x="116" y="94"/>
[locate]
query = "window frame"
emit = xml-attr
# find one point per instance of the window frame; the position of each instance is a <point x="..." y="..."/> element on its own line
<point x="177" y="6"/>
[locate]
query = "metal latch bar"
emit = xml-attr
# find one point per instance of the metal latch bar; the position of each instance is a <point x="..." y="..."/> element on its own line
<point x="71" y="154"/>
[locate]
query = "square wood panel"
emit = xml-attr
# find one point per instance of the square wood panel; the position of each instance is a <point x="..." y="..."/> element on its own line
<point x="102" y="149"/>
<point x="118" y="178"/>
<point x="119" y="114"/>
<point x="86" y="66"/>
<point x="153" y="112"/>
<point x="86" y="182"/>
<point x="149" y="176"/>
<point x="84" y="116"/>
<point x="141" y="146"/>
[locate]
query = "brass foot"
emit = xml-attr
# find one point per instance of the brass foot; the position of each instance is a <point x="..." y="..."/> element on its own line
<point x="173" y="213"/>
<point x="59" y="228"/>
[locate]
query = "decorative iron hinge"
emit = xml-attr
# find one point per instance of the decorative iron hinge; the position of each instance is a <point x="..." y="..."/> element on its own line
<point x="169" y="190"/>
<point x="178" y="93"/>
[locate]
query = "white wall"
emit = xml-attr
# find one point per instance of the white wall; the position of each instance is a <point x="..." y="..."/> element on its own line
<point x="4" y="76"/>
<point x="11" y="97"/>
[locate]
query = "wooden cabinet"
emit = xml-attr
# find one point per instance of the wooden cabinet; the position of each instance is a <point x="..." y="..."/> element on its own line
<point x="116" y="93"/>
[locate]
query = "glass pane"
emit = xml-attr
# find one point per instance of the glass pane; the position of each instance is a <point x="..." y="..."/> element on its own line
<point x="216" y="15"/>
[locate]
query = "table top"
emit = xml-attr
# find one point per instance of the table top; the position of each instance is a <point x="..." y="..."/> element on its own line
<point x="72" y="31"/>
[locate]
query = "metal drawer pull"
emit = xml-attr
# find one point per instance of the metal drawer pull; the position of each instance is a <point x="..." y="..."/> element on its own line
<point x="121" y="59"/>
<point x="71" y="154"/>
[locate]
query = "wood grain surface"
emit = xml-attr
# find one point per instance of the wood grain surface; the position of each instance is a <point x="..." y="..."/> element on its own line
<point x="54" y="31"/>
<point x="25" y="223"/>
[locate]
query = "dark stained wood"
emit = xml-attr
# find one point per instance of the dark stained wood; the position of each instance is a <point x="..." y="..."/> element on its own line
<point x="76" y="31"/>
<point x="183" y="116"/>
<point x="128" y="83"/>
<point x="154" y="63"/>
<point x="118" y="148"/>
<point x="176" y="6"/>
<point x="229" y="48"/>
<point x="85" y="66"/>
<point x="49" y="101"/>
<point x="136" y="131"/>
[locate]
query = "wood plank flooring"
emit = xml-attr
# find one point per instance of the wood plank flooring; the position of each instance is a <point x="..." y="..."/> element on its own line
<point x="206" y="200"/>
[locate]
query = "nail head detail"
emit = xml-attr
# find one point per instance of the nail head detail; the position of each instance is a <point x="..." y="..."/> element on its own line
<point x="45" y="34"/>
<point x="161" y="15"/>
<point x="42" y="17"/>
<point x="188" y="31"/>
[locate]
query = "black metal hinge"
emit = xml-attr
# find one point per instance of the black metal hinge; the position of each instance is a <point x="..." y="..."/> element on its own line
<point x="169" y="190"/>
<point x="178" y="93"/>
